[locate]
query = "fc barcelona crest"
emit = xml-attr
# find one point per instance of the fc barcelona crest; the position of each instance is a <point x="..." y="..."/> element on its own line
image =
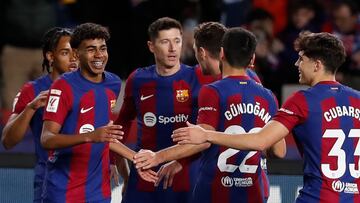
<point x="182" y="95"/>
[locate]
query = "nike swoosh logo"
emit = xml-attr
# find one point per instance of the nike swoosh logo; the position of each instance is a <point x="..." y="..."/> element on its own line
<point x="142" y="98"/>
<point x="82" y="110"/>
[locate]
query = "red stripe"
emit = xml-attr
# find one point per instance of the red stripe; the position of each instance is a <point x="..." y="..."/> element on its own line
<point x="356" y="104"/>
<point x="80" y="154"/>
<point x="218" y="191"/>
<point x="27" y="94"/>
<point x="263" y="103"/>
<point x="326" y="192"/>
<point x="148" y="134"/>
<point x="182" y="97"/>
<point x="105" y="183"/>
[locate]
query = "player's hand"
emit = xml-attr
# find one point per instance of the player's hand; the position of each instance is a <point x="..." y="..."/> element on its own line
<point x="108" y="133"/>
<point x="39" y="101"/>
<point x="146" y="159"/>
<point x="148" y="175"/>
<point x="193" y="134"/>
<point x="167" y="172"/>
<point x="114" y="174"/>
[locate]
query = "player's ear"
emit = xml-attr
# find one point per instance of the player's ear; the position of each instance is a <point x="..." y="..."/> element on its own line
<point x="318" y="65"/>
<point x="202" y="52"/>
<point x="50" y="57"/>
<point x="76" y="53"/>
<point x="151" y="46"/>
<point x="252" y="61"/>
<point x="222" y="55"/>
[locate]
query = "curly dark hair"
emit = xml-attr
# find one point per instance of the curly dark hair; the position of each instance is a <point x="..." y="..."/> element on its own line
<point x="164" y="23"/>
<point x="50" y="41"/>
<point x="322" y="46"/>
<point x="209" y="35"/>
<point x="88" y="31"/>
<point x="239" y="46"/>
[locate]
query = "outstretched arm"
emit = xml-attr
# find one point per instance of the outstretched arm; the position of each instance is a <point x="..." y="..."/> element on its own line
<point x="146" y="159"/>
<point x="278" y="150"/>
<point x="148" y="174"/>
<point x="52" y="139"/>
<point x="272" y="132"/>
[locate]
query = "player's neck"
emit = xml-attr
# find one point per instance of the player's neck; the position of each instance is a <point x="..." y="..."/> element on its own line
<point x="233" y="71"/>
<point x="54" y="75"/>
<point x="214" y="65"/>
<point x="167" y="71"/>
<point x="322" y="78"/>
<point x="92" y="77"/>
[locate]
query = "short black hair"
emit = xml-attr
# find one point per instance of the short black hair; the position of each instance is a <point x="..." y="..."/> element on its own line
<point x="164" y="23"/>
<point x="88" y="31"/>
<point x="209" y="35"/>
<point x="50" y="41"/>
<point x="322" y="46"/>
<point x="239" y="46"/>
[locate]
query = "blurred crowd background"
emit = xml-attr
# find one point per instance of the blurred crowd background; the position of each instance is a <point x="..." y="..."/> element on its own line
<point x="276" y="23"/>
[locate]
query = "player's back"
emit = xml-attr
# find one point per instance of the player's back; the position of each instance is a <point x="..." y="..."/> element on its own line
<point x="229" y="175"/>
<point x="329" y="140"/>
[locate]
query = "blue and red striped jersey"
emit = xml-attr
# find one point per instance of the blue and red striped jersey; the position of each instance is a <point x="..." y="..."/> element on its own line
<point x="80" y="173"/>
<point x="26" y="95"/>
<point x="325" y="121"/>
<point x="237" y="105"/>
<point x="161" y="104"/>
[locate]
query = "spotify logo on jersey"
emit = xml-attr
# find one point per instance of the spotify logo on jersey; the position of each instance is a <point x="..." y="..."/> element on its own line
<point x="149" y="119"/>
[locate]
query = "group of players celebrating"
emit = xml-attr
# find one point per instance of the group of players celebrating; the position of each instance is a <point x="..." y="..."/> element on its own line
<point x="221" y="123"/>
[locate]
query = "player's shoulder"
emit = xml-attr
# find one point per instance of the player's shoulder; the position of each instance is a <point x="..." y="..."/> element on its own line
<point x="68" y="76"/>
<point x="191" y="70"/>
<point x="260" y="87"/>
<point x="38" y="82"/>
<point x="350" y="90"/>
<point x="143" y="72"/>
<point x="111" y="76"/>
<point x="43" y="82"/>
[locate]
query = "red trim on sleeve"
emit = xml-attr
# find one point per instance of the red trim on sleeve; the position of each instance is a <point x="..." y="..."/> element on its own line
<point x="59" y="102"/>
<point x="209" y="109"/>
<point x="25" y="96"/>
<point x="293" y="112"/>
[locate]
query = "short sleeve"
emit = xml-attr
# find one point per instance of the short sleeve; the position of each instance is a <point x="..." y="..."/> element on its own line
<point x="59" y="102"/>
<point x="25" y="96"/>
<point x="293" y="112"/>
<point x="208" y="108"/>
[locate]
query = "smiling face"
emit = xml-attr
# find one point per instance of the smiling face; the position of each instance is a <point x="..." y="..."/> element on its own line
<point x="306" y="68"/>
<point x="167" y="48"/>
<point x="93" y="56"/>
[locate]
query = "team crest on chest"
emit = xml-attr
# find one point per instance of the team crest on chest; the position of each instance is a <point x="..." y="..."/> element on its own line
<point x="182" y="95"/>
